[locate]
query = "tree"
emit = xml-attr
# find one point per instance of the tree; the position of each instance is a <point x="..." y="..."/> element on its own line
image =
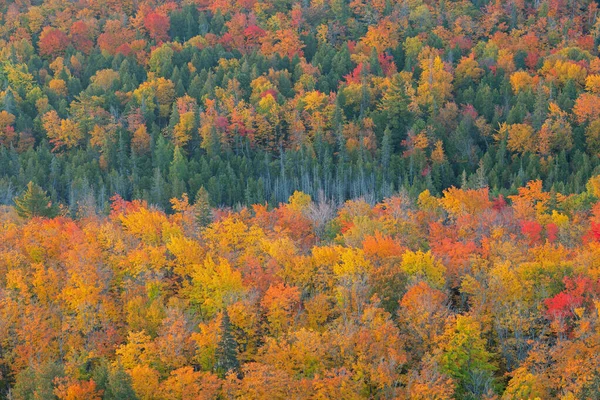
<point x="53" y="42"/>
<point x="424" y="266"/>
<point x="522" y="138"/>
<point x="34" y="202"/>
<point x="157" y="26"/>
<point x="63" y="133"/>
<point x="435" y="84"/>
<point x="226" y="352"/>
<point x="202" y="207"/>
<point x="119" y="385"/>
<point x="465" y="357"/>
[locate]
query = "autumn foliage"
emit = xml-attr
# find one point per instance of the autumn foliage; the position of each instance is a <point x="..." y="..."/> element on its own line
<point x="262" y="303"/>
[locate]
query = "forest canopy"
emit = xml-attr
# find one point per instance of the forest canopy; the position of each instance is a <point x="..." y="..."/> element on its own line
<point x="462" y="296"/>
<point x="255" y="100"/>
<point x="317" y="199"/>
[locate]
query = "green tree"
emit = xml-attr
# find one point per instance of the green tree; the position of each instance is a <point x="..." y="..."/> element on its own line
<point x="226" y="353"/>
<point x="465" y="358"/>
<point x="34" y="202"/>
<point x="202" y="207"/>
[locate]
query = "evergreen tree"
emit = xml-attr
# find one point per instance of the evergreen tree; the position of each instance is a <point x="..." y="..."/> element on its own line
<point x="34" y="202"/>
<point x="226" y="352"/>
<point x="202" y="207"/>
<point x="119" y="386"/>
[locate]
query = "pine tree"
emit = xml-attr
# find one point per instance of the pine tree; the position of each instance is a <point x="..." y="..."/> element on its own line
<point x="226" y="352"/>
<point x="202" y="207"/>
<point x="34" y="202"/>
<point x="119" y="386"/>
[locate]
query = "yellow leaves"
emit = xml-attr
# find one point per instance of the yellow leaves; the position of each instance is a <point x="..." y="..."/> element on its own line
<point x="427" y="202"/>
<point x="161" y="88"/>
<point x="468" y="68"/>
<point x="520" y="81"/>
<point x="322" y="31"/>
<point x="299" y="201"/>
<point x="353" y="262"/>
<point x="560" y="220"/>
<point x="556" y="132"/>
<point x="458" y="202"/>
<point x="214" y="285"/>
<point x="318" y="309"/>
<point x="419" y="265"/>
<point x="229" y="65"/>
<point x="437" y="155"/>
<point x="145" y="382"/>
<point x="35" y="19"/>
<point x="563" y="71"/>
<point x="521" y="138"/>
<point x="592" y="83"/>
<point x="182" y="133"/>
<point x="103" y="136"/>
<point x="146" y="224"/>
<point x="555" y="111"/>
<point x="259" y="86"/>
<point x="314" y="100"/>
<point x="138" y="351"/>
<point x="58" y="86"/>
<point x="435" y="84"/>
<point x="231" y="237"/>
<point x="187" y="252"/>
<point x="506" y="60"/>
<point x="525" y="385"/>
<point x="61" y="132"/>
<point x="145" y="315"/>
<point x="144" y="259"/>
<point x="282" y="249"/>
<point x="593" y="186"/>
<point x="530" y="201"/>
<point x="412" y="47"/>
<point x="325" y="255"/>
<point x="592" y="137"/>
<point x="6" y="119"/>
<point x="382" y="36"/>
<point x="207" y="340"/>
<point x="268" y="105"/>
<point x="18" y="76"/>
<point x="140" y="142"/>
<point x="105" y="79"/>
<point x="420" y="141"/>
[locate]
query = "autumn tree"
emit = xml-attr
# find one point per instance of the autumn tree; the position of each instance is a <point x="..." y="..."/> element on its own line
<point x="53" y="42"/>
<point x="465" y="357"/>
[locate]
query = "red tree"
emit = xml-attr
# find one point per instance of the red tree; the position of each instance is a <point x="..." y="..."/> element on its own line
<point x="53" y="42"/>
<point x="157" y="26"/>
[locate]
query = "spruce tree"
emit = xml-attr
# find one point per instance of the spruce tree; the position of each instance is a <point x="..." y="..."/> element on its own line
<point x="34" y="202"/>
<point x="226" y="353"/>
<point x="202" y="207"/>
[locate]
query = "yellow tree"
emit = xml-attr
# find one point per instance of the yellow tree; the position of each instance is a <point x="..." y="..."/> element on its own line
<point x="435" y="84"/>
<point x="63" y="133"/>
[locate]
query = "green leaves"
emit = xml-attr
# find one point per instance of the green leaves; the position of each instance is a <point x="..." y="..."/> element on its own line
<point x="35" y="203"/>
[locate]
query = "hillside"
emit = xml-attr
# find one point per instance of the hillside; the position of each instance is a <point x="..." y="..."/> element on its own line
<point x="254" y="100"/>
<point x="316" y="199"/>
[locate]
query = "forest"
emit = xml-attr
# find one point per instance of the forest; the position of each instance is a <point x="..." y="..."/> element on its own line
<point x="315" y="199"/>
<point x="462" y="296"/>
<point x="254" y="100"/>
